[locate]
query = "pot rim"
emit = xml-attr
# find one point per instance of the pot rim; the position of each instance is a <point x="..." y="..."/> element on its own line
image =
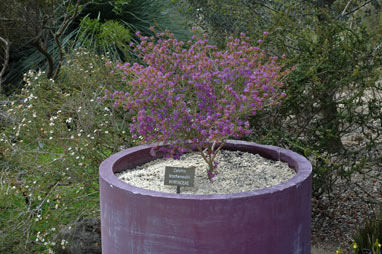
<point x="303" y="171"/>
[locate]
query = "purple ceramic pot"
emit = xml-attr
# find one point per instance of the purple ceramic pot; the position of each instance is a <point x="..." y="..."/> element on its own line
<point x="275" y="220"/>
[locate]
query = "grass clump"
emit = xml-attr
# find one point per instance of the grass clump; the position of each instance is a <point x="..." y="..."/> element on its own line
<point x="369" y="237"/>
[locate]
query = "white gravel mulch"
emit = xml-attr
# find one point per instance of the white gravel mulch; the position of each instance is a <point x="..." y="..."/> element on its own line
<point x="237" y="172"/>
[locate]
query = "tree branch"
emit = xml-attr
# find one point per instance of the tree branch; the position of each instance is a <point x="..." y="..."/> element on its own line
<point x="59" y="33"/>
<point x="39" y="47"/>
<point x="6" y="60"/>
<point x="346" y="7"/>
<point x="357" y="8"/>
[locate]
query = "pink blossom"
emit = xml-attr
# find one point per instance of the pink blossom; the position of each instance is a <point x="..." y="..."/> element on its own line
<point x="197" y="96"/>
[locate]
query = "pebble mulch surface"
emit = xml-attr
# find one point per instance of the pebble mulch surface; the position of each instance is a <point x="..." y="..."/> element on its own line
<point x="237" y="172"/>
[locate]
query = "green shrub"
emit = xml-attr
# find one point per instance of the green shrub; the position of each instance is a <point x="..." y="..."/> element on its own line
<point x="331" y="112"/>
<point x="333" y="97"/>
<point x="59" y="135"/>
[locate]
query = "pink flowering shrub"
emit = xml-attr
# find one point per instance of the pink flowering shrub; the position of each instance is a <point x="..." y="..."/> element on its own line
<point x="193" y="96"/>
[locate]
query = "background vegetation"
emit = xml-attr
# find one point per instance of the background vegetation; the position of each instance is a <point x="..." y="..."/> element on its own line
<point x="40" y="31"/>
<point x="55" y="131"/>
<point x="57" y="135"/>
<point x="334" y="90"/>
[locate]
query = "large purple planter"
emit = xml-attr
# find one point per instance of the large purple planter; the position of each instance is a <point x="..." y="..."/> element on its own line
<point x="272" y="220"/>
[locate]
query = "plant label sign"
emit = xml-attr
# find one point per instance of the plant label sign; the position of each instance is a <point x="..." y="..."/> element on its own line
<point x="179" y="176"/>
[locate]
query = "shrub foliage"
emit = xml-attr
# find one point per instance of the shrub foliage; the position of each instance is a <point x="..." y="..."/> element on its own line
<point x="331" y="112"/>
<point x="58" y="134"/>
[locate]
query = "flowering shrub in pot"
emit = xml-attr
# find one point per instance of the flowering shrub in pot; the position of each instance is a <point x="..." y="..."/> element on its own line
<point x="193" y="97"/>
<point x="194" y="93"/>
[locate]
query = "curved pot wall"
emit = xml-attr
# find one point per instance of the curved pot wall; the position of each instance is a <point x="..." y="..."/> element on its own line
<point x="271" y="220"/>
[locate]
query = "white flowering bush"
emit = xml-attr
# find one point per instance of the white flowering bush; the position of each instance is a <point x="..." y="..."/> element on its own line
<point x="57" y="136"/>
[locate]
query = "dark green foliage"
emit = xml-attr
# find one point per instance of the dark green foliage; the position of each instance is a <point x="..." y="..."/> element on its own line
<point x="333" y="96"/>
<point x="331" y="112"/>
<point x="105" y="27"/>
<point x="38" y="25"/>
<point x="109" y="26"/>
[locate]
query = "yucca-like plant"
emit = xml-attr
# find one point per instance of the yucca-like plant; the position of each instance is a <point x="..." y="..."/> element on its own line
<point x="109" y="26"/>
<point x="103" y="27"/>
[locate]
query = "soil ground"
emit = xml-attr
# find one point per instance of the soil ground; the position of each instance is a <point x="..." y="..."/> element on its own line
<point x="323" y="249"/>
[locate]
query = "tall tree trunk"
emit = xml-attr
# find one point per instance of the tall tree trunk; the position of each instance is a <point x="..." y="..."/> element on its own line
<point x="331" y="123"/>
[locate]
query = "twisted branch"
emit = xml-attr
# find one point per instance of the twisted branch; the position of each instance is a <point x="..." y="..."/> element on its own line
<point x="6" y="59"/>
